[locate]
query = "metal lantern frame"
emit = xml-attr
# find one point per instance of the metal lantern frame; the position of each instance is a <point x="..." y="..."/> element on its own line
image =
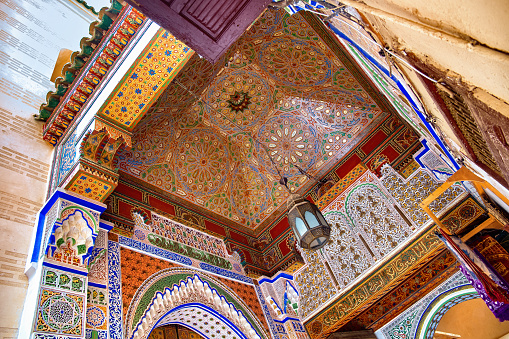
<point x="308" y="223"/>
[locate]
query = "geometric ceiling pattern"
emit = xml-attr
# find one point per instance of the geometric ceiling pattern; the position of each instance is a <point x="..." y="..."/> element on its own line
<point x="279" y="93"/>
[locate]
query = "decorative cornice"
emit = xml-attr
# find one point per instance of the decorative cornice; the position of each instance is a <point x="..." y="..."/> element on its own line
<point x="365" y="293"/>
<point x="88" y="68"/>
<point x="91" y="181"/>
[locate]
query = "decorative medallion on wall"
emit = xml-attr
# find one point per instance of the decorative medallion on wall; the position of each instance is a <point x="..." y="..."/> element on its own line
<point x="289" y="140"/>
<point x="239" y="99"/>
<point x="295" y="62"/>
<point x="60" y="312"/>
<point x="96" y="317"/>
<point x="202" y="164"/>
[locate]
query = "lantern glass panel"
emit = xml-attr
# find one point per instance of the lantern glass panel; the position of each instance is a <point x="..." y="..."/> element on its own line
<point x="301" y="227"/>
<point x="318" y="242"/>
<point x="321" y="218"/>
<point x="311" y="219"/>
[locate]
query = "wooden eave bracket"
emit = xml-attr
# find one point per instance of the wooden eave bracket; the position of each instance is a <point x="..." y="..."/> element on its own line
<point x="464" y="174"/>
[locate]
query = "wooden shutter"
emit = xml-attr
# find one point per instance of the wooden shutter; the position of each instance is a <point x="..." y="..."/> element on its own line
<point x="207" y="26"/>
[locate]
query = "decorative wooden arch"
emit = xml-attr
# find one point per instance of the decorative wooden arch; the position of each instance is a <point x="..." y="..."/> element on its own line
<point x="464" y="174"/>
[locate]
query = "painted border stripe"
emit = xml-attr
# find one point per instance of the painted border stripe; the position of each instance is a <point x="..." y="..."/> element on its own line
<point x="63" y="268"/>
<point x="96" y="285"/>
<point x="280" y="275"/>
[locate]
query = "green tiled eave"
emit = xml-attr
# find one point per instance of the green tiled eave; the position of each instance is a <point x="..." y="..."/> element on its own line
<point x="106" y="17"/>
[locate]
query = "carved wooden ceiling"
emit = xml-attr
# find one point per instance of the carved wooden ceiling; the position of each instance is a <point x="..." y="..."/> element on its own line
<point x="282" y="90"/>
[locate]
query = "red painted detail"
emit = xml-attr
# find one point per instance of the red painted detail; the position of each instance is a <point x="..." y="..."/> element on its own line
<point x="124" y="209"/>
<point x="112" y="236"/>
<point x="247" y="255"/>
<point x="240" y="238"/>
<point x="145" y="213"/>
<point x="391" y="153"/>
<point x="163" y="206"/>
<point x="283" y="246"/>
<point x="349" y="165"/>
<point x="207" y="26"/>
<point x="374" y="142"/>
<point x="129" y="191"/>
<point x="279" y="228"/>
<point x="215" y="228"/>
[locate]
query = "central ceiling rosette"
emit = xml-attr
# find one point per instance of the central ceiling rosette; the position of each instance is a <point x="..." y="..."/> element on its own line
<point x="239" y="99"/>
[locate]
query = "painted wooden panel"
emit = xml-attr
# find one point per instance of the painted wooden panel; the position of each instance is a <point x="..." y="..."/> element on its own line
<point x="207" y="26"/>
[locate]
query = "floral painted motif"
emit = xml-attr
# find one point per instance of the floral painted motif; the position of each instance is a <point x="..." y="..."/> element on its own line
<point x="239" y="100"/>
<point x="290" y="141"/>
<point x="295" y="62"/>
<point x="202" y="166"/>
<point x="96" y="317"/>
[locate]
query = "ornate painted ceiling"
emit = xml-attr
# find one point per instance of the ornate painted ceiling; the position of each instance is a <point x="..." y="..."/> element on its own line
<point x="282" y="91"/>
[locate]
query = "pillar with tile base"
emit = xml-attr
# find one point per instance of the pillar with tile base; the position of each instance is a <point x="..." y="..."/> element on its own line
<point x="69" y="239"/>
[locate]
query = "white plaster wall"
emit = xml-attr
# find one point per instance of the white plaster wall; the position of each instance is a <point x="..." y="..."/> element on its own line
<point x="469" y="38"/>
<point x="466" y="40"/>
<point x="31" y="34"/>
<point x="477" y="65"/>
<point x="484" y="21"/>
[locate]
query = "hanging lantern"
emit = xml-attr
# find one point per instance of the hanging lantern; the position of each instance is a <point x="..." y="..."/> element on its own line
<point x="307" y="222"/>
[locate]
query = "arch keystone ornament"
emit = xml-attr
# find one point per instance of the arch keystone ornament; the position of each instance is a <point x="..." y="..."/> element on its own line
<point x="196" y="302"/>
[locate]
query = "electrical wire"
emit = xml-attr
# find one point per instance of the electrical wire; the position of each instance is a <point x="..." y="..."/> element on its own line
<point x="310" y="10"/>
<point x="388" y="79"/>
<point x="334" y="12"/>
<point x="393" y="54"/>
